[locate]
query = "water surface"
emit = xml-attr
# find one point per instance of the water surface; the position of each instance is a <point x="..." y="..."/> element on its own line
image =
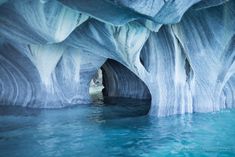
<point x="120" y="129"/>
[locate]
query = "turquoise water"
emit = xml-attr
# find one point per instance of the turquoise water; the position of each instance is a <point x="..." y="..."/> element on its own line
<point x="114" y="130"/>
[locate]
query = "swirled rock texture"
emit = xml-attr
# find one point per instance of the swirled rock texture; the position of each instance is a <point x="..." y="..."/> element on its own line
<point x="181" y="51"/>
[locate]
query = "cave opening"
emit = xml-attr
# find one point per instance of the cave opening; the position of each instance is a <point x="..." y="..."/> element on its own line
<point x="116" y="85"/>
<point x="96" y="87"/>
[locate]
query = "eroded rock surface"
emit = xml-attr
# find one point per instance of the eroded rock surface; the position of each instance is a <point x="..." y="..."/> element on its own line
<point x="182" y="51"/>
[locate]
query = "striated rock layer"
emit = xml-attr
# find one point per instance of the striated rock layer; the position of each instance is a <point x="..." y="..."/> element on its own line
<point x="181" y="51"/>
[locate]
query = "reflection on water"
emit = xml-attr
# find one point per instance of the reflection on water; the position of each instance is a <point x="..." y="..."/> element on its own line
<point x="119" y="129"/>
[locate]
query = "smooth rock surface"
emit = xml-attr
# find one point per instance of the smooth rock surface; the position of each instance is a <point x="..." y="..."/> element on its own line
<point x="182" y="51"/>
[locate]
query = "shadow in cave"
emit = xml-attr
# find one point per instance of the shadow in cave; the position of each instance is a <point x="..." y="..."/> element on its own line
<point x="119" y="92"/>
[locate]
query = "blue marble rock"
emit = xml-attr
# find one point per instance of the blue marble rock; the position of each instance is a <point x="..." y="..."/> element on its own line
<point x="178" y="53"/>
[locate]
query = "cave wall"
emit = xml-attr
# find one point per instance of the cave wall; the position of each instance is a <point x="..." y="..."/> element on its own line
<point x="45" y="76"/>
<point x="120" y="82"/>
<point x="182" y="50"/>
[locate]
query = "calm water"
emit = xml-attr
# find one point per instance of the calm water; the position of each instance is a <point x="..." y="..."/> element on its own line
<point x="114" y="130"/>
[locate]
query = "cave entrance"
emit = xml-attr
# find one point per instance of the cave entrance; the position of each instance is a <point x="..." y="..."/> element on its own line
<point x="116" y="85"/>
<point x="96" y="87"/>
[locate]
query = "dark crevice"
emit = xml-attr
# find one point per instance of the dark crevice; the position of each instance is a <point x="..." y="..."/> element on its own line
<point x="187" y="66"/>
<point x="188" y="70"/>
<point x="145" y="57"/>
